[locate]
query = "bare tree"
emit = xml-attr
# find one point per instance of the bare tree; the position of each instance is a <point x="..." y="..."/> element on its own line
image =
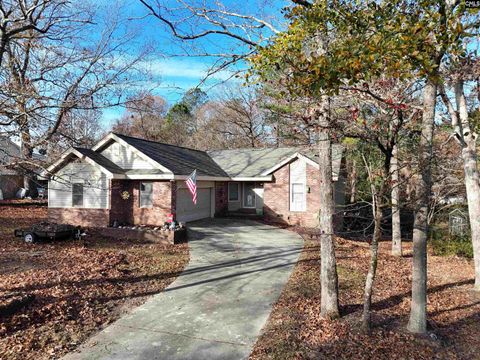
<point x="23" y="19"/>
<point x="50" y="74"/>
<point x="236" y="118"/>
<point x="195" y="20"/>
<point x="144" y="117"/>
<point x="240" y="33"/>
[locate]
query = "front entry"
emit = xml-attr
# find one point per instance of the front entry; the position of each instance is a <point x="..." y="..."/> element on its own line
<point x="249" y="200"/>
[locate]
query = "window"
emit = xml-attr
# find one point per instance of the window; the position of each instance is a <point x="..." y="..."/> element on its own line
<point x="146" y="194"/>
<point x="297" y="196"/>
<point x="233" y="192"/>
<point x="77" y="195"/>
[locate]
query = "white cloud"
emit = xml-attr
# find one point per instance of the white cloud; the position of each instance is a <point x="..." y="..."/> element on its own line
<point x="185" y="68"/>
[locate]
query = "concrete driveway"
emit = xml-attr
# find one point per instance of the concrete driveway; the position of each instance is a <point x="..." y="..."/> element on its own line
<point x="217" y="307"/>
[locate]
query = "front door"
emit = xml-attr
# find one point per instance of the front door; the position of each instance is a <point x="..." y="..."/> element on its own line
<point x="249" y="195"/>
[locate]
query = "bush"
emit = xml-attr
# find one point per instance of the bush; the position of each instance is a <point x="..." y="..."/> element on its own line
<point x="444" y="244"/>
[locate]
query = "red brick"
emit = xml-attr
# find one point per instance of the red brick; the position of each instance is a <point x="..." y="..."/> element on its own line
<point x="221" y="198"/>
<point x="162" y="204"/>
<point x="276" y="202"/>
<point x="80" y="216"/>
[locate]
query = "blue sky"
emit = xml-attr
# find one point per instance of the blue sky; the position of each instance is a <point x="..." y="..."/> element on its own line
<point x="171" y="73"/>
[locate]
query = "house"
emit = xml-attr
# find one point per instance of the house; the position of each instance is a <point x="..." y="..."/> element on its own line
<point x="12" y="180"/>
<point x="135" y="181"/>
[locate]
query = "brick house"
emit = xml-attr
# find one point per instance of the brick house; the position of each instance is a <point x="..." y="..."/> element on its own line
<point x="134" y="181"/>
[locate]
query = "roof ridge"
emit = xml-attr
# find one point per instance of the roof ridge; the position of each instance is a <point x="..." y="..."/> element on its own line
<point x="158" y="142"/>
<point x="257" y="149"/>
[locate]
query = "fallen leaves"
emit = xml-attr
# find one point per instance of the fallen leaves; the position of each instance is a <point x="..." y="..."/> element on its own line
<point x="79" y="286"/>
<point x="296" y="331"/>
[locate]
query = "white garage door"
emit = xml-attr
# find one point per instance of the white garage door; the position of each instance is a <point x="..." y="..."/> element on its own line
<point x="187" y="210"/>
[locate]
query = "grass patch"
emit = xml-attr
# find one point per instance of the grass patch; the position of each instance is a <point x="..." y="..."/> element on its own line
<point x="349" y="278"/>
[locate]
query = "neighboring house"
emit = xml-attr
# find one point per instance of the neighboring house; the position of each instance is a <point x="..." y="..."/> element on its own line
<point x="10" y="180"/>
<point x="135" y="181"/>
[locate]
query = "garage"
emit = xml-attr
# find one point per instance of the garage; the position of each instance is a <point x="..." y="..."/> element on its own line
<point x="188" y="211"/>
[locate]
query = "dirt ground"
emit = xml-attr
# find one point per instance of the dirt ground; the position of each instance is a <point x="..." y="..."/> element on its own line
<point x="78" y="286"/>
<point x="296" y="331"/>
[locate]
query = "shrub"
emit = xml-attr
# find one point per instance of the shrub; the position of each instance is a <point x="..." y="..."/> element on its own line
<point x="444" y="244"/>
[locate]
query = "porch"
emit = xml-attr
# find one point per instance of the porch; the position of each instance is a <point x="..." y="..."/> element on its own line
<point x="245" y="198"/>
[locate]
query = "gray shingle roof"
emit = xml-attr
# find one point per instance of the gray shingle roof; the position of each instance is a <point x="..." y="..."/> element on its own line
<point x="101" y="160"/>
<point x="180" y="160"/>
<point x="249" y="162"/>
<point x="337" y="155"/>
<point x="253" y="162"/>
<point x="220" y="163"/>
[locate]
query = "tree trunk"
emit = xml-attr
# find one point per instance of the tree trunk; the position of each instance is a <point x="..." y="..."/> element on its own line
<point x="27" y="155"/>
<point x="372" y="270"/>
<point x="396" y="226"/>
<point x="472" y="181"/>
<point x="418" y="310"/>
<point x="328" y="278"/>
<point x="353" y="182"/>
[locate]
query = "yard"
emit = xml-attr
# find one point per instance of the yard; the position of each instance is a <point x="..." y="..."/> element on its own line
<point x="78" y="286"/>
<point x="295" y="330"/>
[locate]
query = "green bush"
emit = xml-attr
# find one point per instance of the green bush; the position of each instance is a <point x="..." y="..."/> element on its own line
<point x="444" y="244"/>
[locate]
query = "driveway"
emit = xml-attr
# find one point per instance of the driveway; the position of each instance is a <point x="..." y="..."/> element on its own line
<point x="217" y="307"/>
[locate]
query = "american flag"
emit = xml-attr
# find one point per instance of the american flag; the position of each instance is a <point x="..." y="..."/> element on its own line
<point x="192" y="185"/>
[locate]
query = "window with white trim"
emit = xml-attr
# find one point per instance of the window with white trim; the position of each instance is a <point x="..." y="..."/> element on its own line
<point x="233" y="191"/>
<point x="77" y="194"/>
<point x="146" y="194"/>
<point x="298" y="197"/>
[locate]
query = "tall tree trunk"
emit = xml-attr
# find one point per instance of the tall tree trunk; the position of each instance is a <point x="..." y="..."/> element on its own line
<point x="396" y="226"/>
<point x="378" y="204"/>
<point x="27" y="156"/>
<point x="353" y="182"/>
<point x="328" y="277"/>
<point x="472" y="181"/>
<point x="418" y="311"/>
<point x="372" y="269"/>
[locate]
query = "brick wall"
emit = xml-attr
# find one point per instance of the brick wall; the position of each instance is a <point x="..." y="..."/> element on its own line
<point x="221" y="198"/>
<point x="121" y="209"/>
<point x="81" y="217"/>
<point x="276" y="200"/>
<point x="162" y="204"/>
<point x="173" y="195"/>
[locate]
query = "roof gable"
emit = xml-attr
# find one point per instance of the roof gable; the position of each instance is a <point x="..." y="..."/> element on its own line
<point x="87" y="155"/>
<point x="121" y="139"/>
<point x="249" y="162"/>
<point x="179" y="160"/>
<point x="263" y="162"/>
<point x="101" y="160"/>
<point x="176" y="162"/>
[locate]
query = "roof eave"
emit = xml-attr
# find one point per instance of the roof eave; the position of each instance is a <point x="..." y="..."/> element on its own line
<point x="52" y="169"/>
<point x="116" y="138"/>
